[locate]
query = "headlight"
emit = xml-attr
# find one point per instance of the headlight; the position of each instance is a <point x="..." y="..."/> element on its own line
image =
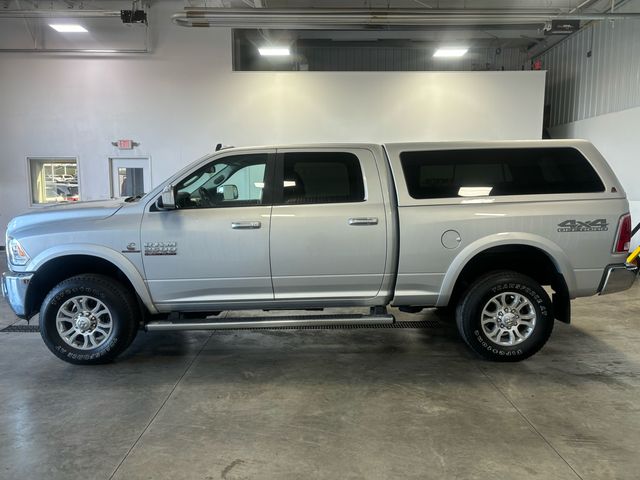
<point x="17" y="254"/>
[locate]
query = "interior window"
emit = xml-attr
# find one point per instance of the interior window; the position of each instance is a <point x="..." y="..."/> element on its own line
<point x="53" y="180"/>
<point x="231" y="181"/>
<point x="322" y="177"/>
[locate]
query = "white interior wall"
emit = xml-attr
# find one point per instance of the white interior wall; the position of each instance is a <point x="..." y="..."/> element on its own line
<point x="184" y="98"/>
<point x="616" y="136"/>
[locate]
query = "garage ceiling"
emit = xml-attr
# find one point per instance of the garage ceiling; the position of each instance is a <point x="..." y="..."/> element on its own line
<point x="25" y="26"/>
<point x="108" y="34"/>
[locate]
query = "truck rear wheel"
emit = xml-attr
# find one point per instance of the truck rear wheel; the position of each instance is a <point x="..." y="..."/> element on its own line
<point x="505" y="316"/>
<point x="88" y="319"/>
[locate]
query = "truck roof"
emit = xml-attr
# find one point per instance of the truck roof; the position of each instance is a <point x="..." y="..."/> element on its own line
<point x="447" y="144"/>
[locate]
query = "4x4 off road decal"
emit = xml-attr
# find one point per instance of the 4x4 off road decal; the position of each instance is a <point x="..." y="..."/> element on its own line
<point x="599" y="225"/>
<point x="161" y="248"/>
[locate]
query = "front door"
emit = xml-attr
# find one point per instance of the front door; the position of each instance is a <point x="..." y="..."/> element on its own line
<point x="328" y="225"/>
<point x="214" y="247"/>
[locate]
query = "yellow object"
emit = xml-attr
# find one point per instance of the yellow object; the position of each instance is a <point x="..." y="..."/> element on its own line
<point x="634" y="255"/>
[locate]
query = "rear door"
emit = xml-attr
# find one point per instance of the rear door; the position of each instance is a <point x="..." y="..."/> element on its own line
<point x="328" y="225"/>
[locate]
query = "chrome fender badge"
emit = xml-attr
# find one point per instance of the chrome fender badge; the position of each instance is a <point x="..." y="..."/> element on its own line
<point x="161" y="248"/>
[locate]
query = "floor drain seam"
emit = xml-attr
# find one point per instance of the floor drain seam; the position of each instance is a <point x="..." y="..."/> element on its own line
<point x="524" y="417"/>
<point x="13" y="328"/>
<point x="144" y="430"/>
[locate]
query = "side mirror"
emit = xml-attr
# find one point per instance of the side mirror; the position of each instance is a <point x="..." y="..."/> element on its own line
<point x="167" y="200"/>
<point x="229" y="192"/>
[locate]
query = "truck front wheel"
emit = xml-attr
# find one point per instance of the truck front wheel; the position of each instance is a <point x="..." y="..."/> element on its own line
<point x="88" y="319"/>
<point x="505" y="316"/>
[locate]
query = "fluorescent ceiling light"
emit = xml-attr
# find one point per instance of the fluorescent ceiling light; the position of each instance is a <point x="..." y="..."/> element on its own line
<point x="451" y="52"/>
<point x="274" y="51"/>
<point x="68" y="28"/>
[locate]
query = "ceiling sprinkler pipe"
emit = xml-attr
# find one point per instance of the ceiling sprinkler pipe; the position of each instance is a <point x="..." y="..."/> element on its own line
<point x="59" y="13"/>
<point x="362" y="19"/>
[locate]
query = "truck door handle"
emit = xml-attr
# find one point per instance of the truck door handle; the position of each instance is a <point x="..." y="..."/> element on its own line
<point x="363" y="221"/>
<point x="245" y="225"/>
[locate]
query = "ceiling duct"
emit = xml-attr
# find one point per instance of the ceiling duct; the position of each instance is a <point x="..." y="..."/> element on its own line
<point x="366" y="19"/>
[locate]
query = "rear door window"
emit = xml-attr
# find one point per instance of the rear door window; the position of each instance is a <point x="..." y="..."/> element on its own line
<point x="321" y="177"/>
<point x="496" y="172"/>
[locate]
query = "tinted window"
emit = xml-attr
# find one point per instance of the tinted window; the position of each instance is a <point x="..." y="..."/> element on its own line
<point x="495" y="172"/>
<point x="327" y="177"/>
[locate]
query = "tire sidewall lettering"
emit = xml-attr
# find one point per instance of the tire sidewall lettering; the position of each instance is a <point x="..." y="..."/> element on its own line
<point x="495" y="349"/>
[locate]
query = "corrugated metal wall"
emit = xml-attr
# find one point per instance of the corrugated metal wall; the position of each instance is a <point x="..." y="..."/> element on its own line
<point x="387" y="58"/>
<point x="582" y="84"/>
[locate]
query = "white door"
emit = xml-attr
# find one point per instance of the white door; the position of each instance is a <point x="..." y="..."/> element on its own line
<point x="130" y="177"/>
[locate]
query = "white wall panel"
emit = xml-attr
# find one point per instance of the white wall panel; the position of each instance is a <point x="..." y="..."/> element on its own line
<point x="183" y="99"/>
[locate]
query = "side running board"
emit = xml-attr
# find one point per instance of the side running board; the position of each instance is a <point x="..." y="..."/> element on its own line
<point x="241" y="323"/>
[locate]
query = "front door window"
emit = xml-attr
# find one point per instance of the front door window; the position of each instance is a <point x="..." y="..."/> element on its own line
<point x="229" y="182"/>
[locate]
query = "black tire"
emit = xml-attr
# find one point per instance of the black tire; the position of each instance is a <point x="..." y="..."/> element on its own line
<point x="123" y="314"/>
<point x="479" y="294"/>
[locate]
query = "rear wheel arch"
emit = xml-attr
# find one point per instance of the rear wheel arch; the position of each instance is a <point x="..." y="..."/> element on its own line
<point x="540" y="265"/>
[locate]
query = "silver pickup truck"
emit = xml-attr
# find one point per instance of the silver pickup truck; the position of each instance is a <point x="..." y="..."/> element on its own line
<point x="503" y="234"/>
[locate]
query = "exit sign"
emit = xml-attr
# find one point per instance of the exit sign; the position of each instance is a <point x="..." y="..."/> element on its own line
<point x="124" y="144"/>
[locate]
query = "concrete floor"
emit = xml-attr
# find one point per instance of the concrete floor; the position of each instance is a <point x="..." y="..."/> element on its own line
<point x="329" y="404"/>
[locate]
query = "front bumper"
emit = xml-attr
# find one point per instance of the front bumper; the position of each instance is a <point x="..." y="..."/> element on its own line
<point x="14" y="288"/>
<point x="617" y="278"/>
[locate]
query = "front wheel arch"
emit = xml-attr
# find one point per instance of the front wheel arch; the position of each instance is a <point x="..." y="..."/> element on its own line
<point x="54" y="271"/>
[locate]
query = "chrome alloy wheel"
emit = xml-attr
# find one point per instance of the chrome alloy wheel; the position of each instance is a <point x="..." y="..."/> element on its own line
<point x="84" y="322"/>
<point x="508" y="319"/>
